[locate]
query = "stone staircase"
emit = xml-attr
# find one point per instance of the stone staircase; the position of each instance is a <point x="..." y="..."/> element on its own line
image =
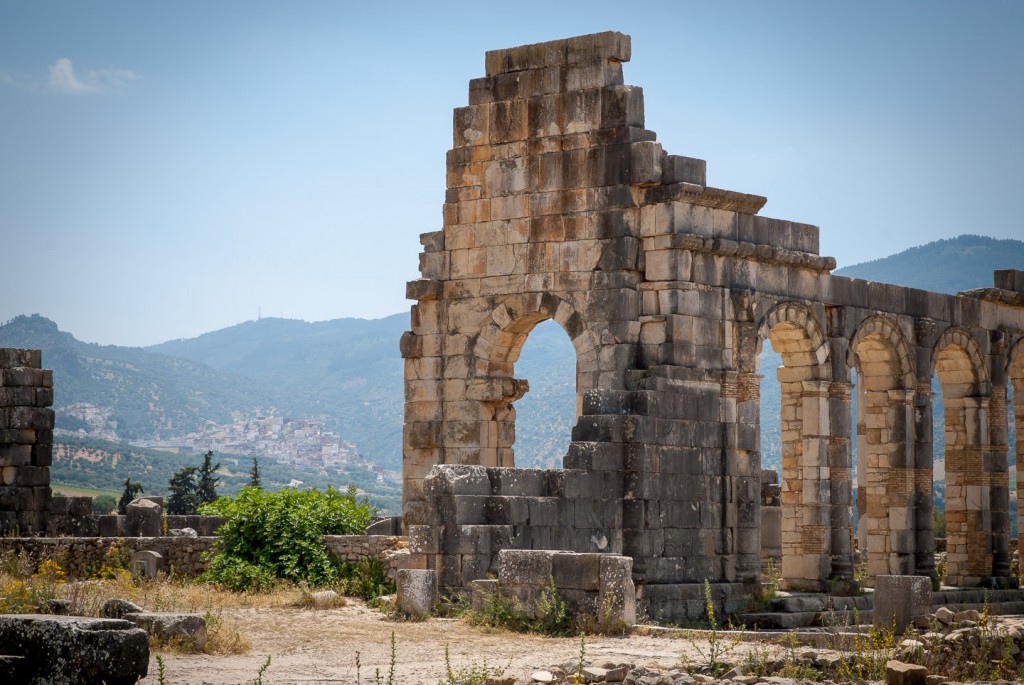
<point x="800" y="610"/>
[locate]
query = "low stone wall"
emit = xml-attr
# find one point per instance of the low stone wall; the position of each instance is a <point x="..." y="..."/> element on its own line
<point x="390" y="549"/>
<point x="80" y="557"/>
<point x="73" y="516"/>
<point x="596" y="586"/>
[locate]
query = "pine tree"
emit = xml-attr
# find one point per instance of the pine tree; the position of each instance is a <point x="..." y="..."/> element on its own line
<point x="184" y="497"/>
<point x="254" y="475"/>
<point x="131" y="491"/>
<point x="208" y="482"/>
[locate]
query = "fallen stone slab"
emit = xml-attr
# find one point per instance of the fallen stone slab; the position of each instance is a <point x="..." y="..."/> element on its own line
<point x="72" y="650"/>
<point x="899" y="673"/>
<point x="168" y="626"/>
<point x="117" y="608"/>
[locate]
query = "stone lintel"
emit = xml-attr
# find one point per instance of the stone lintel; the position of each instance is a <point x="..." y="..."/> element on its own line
<point x="742" y="250"/>
<point x="590" y="49"/>
<point x="705" y="196"/>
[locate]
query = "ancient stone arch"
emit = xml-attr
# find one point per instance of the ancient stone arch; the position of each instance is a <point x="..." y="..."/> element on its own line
<point x="561" y="204"/>
<point x="888" y="486"/>
<point x="963" y="377"/>
<point x="496" y="348"/>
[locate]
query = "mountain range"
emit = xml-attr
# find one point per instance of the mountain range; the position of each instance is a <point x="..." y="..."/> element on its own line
<point x="349" y="372"/>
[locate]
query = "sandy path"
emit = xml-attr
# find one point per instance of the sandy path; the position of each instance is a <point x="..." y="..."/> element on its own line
<point x="320" y="646"/>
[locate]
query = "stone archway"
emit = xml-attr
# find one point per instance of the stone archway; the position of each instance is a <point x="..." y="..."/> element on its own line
<point x="804" y="379"/>
<point x="494" y="352"/>
<point x="890" y="491"/>
<point x="963" y="377"/>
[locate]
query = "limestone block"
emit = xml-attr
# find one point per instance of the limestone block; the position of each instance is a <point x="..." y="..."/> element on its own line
<point x="147" y="563"/>
<point x="73" y="650"/>
<point x="899" y="673"/>
<point x="899" y="599"/>
<point x="144" y="518"/>
<point x="417" y="591"/>
<point x="117" y="608"/>
<point x="189" y="629"/>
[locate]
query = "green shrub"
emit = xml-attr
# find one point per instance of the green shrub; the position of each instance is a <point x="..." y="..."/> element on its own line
<point x="268" y="535"/>
<point x="365" y="579"/>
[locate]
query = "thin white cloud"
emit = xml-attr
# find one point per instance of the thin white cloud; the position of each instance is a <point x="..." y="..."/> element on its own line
<point x="63" y="79"/>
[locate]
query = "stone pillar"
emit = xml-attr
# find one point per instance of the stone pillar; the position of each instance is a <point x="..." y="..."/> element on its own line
<point x="807" y="511"/>
<point x="26" y="441"/>
<point x="924" y="525"/>
<point x="1018" y="423"/>
<point x="840" y="464"/>
<point x="968" y="491"/>
<point x="997" y="463"/>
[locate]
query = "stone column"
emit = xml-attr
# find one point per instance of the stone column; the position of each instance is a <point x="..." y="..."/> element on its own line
<point x="998" y="463"/>
<point x="905" y="496"/>
<point x="840" y="464"/>
<point x="807" y="510"/>
<point x="968" y="491"/>
<point x="1018" y="423"/>
<point x="924" y="543"/>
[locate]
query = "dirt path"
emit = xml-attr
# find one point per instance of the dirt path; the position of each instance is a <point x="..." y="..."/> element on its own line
<point x="320" y="646"/>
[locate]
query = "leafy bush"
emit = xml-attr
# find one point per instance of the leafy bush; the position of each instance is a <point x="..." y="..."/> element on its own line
<point x="365" y="579"/>
<point x="268" y="535"/>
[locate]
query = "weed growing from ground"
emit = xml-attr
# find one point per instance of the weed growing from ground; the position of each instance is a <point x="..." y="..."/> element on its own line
<point x="391" y="670"/>
<point x="261" y="672"/>
<point x="719" y="645"/>
<point x="469" y="675"/>
<point x="161" y="671"/>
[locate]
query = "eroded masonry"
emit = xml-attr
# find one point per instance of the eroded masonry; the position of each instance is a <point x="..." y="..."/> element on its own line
<point x="562" y="205"/>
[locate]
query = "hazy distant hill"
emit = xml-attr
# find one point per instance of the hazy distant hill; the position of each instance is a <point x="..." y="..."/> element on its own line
<point x="148" y="394"/>
<point x="945" y="266"/>
<point x="347" y="370"/>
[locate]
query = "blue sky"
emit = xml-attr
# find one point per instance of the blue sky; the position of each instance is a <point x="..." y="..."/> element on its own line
<point x="168" y="169"/>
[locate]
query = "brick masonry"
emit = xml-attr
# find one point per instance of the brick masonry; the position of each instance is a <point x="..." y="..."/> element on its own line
<point x="26" y="441"/>
<point x="561" y="205"/>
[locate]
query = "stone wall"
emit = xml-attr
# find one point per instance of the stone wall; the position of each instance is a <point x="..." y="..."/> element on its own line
<point x="562" y="205"/>
<point x="597" y="588"/>
<point x="73" y="516"/>
<point x="80" y="557"/>
<point x="391" y="550"/>
<point x="26" y="441"/>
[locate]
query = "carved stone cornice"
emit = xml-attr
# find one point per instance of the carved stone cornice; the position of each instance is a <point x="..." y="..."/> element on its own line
<point x="705" y="196"/>
<point x="742" y="250"/>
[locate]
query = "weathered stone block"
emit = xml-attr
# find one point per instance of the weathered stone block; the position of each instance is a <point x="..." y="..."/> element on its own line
<point x="900" y="599"/>
<point x="417" y="591"/>
<point x="143" y="518"/>
<point x="72" y="650"/>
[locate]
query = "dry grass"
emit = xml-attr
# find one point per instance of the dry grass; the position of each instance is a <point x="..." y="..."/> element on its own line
<point x="26" y="586"/>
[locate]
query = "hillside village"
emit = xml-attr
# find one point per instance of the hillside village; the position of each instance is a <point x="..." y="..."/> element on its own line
<point x="302" y="443"/>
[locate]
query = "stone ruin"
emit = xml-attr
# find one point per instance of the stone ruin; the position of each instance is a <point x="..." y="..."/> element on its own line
<point x="561" y="205"/>
<point x="26" y="440"/>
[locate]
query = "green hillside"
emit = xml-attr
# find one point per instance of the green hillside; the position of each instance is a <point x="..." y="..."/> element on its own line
<point x="945" y="266"/>
<point x="348" y="371"/>
<point x="103" y="465"/>
<point x="149" y="395"/>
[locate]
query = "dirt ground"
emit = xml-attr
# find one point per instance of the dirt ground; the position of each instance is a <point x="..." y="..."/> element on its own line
<point x="321" y="646"/>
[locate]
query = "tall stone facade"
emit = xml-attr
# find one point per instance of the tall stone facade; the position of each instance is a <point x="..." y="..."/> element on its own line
<point x="26" y="441"/>
<point x="562" y="205"/>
